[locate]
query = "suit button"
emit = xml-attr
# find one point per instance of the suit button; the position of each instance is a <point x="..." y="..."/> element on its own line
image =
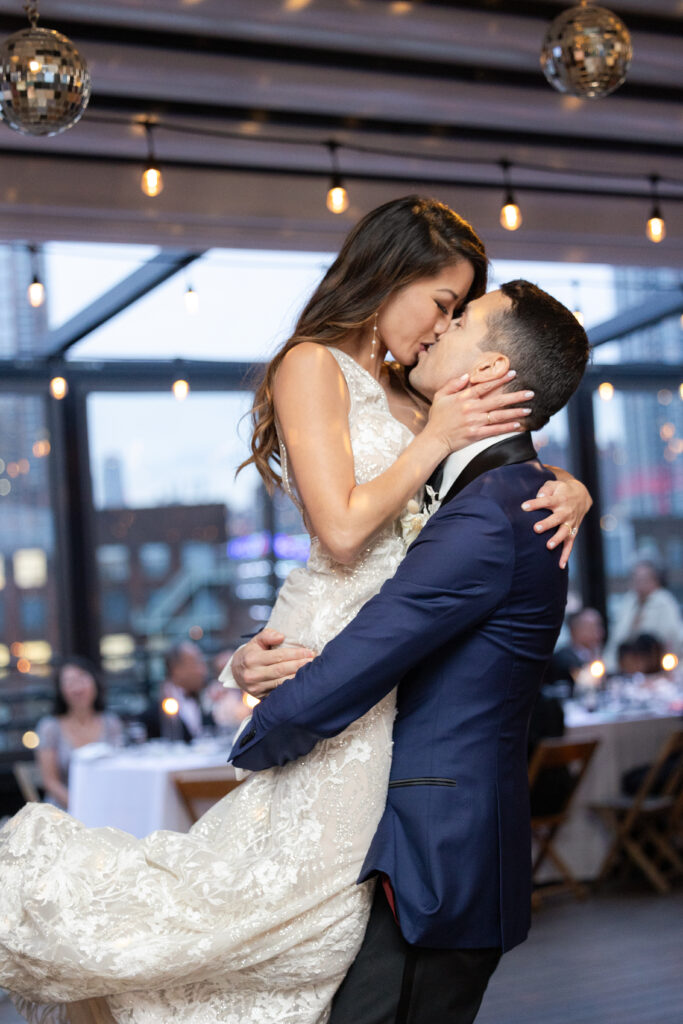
<point x="248" y="737"/>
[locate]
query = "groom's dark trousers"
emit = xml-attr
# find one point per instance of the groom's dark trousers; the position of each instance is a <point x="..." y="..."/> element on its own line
<point x="465" y="627"/>
<point x="391" y="982"/>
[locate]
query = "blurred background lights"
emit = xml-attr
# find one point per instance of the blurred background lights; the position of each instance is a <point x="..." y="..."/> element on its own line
<point x="30" y="739"/>
<point x="170" y="706"/>
<point x="606" y="391"/>
<point x="58" y="388"/>
<point x="669" y="662"/>
<point x="181" y="389"/>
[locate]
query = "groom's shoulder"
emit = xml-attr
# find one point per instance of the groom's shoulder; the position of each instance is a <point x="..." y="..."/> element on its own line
<point x="500" y="491"/>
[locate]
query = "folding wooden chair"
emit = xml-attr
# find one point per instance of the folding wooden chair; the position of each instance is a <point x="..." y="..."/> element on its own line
<point x="198" y="790"/>
<point x="645" y="826"/>
<point x="28" y="779"/>
<point x="552" y="755"/>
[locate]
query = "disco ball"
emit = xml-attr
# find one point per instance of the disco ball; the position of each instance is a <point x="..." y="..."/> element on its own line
<point x="44" y="82"/>
<point x="586" y="52"/>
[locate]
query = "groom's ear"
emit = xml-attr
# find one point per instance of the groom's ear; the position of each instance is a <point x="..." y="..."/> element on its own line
<point x="489" y="366"/>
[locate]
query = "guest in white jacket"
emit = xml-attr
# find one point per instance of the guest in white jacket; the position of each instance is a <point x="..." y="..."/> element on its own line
<point x="647" y="608"/>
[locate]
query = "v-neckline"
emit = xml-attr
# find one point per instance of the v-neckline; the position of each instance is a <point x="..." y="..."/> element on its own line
<point x="381" y="389"/>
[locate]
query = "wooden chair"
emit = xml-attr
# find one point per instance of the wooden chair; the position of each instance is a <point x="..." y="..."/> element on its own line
<point x="28" y="779"/>
<point x="646" y="826"/>
<point x="575" y="758"/>
<point x="198" y="790"/>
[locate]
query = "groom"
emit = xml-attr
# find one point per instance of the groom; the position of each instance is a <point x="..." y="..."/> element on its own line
<point x="465" y="627"/>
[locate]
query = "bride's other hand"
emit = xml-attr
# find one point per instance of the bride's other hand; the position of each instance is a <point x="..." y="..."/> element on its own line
<point x="460" y="414"/>
<point x="569" y="501"/>
<point x="263" y="663"/>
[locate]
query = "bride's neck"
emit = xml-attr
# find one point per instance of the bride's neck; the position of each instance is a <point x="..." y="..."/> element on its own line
<point x="358" y="345"/>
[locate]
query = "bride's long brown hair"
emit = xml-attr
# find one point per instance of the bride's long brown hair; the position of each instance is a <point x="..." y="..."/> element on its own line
<point x="393" y="245"/>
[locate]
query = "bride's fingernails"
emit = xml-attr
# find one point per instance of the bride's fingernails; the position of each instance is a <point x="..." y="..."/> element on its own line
<point x="526" y="506"/>
<point x="529" y="394"/>
<point x="526" y="412"/>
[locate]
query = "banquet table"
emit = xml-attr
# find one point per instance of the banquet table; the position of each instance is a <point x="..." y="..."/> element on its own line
<point x="133" y="789"/>
<point x="627" y="739"/>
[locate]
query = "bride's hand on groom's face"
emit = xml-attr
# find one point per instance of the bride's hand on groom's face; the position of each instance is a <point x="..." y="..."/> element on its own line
<point x="264" y="663"/>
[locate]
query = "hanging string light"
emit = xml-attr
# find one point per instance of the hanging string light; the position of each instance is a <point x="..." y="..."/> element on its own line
<point x="152" y="183"/>
<point x="36" y="289"/>
<point x="191" y="300"/>
<point x="337" y="196"/>
<point x="180" y="389"/>
<point x="510" y="213"/>
<point x="59" y="388"/>
<point x="656" y="228"/>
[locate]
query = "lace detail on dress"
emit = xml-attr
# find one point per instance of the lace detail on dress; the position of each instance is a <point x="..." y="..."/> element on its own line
<point x="254" y="916"/>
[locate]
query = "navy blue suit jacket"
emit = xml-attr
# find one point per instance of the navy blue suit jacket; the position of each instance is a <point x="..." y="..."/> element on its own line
<point x="466" y="627"/>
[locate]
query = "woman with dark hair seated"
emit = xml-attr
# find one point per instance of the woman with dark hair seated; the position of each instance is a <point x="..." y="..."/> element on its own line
<point x="78" y="718"/>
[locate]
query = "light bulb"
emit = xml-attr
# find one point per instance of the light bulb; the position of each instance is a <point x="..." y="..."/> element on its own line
<point x="597" y="669"/>
<point x="656" y="229"/>
<point x="510" y="216"/>
<point x="58" y="388"/>
<point x="152" y="183"/>
<point x="36" y="293"/>
<point x="669" y="662"/>
<point x="191" y="300"/>
<point x="181" y="390"/>
<point x="606" y="391"/>
<point x="579" y="316"/>
<point x="337" y="199"/>
<point x="34" y="65"/>
<point x="170" y="706"/>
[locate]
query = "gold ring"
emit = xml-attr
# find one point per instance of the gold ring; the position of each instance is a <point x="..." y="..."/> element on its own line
<point x="573" y="530"/>
<point x="488" y="418"/>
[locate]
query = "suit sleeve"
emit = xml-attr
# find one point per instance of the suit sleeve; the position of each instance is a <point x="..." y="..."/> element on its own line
<point x="453" y="576"/>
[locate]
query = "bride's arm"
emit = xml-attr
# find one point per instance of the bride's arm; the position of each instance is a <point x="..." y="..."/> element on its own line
<point x="568" y="500"/>
<point x="312" y="405"/>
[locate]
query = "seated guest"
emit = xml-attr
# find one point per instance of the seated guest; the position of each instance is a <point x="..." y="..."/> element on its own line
<point x="78" y="718"/>
<point x="643" y="655"/>
<point x="648" y="607"/>
<point x="186" y="676"/>
<point x="586" y="637"/>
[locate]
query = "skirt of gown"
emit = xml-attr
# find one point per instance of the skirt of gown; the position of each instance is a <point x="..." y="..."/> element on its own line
<point x="253" y="917"/>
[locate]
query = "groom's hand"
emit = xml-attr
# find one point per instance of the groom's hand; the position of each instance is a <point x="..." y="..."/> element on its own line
<point x="263" y="663"/>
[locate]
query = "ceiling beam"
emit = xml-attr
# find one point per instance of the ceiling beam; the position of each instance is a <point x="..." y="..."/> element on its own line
<point x="143" y="280"/>
<point x="135" y="107"/>
<point x="379" y="62"/>
<point x="645" y="314"/>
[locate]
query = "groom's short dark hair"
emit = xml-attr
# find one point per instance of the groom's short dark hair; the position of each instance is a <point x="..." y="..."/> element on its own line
<point x="545" y="344"/>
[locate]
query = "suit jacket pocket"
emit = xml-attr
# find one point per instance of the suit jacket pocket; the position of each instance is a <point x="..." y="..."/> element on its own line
<point x="426" y="781"/>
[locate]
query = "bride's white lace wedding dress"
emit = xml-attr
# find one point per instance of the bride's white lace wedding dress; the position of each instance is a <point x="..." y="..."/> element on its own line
<point x="254" y="916"/>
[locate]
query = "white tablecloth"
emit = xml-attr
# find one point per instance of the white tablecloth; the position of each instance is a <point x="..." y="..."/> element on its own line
<point x="133" y="789"/>
<point x="624" y="743"/>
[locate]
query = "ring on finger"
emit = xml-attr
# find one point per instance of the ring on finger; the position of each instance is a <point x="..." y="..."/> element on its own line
<point x="573" y="530"/>
<point x="488" y="419"/>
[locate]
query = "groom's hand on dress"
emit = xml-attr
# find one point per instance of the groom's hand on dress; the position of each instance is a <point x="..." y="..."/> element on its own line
<point x="265" y="662"/>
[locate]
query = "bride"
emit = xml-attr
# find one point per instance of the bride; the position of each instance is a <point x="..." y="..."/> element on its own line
<point x="254" y="916"/>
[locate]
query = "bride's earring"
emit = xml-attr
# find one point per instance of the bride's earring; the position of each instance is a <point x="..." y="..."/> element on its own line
<point x="373" y="346"/>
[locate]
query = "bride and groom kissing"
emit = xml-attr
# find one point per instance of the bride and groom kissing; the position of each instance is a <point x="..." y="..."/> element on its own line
<point x="399" y="752"/>
<point x="465" y="627"/>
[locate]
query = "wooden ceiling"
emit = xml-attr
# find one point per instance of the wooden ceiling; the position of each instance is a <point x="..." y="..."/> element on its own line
<point x="424" y="96"/>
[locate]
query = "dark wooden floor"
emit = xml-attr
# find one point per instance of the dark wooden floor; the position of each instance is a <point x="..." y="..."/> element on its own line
<point x="615" y="959"/>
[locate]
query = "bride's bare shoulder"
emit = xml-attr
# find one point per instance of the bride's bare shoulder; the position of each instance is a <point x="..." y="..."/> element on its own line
<point x="311" y="368"/>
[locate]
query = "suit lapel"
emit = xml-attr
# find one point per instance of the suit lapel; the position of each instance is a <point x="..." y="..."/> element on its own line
<point x="505" y="453"/>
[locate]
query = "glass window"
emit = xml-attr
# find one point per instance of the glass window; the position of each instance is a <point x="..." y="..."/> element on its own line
<point x="155" y="560"/>
<point x="639" y="436"/>
<point x="30" y="568"/>
<point x="183" y="521"/>
<point x="33" y="615"/>
<point x="247" y="304"/>
<point x="113" y="561"/>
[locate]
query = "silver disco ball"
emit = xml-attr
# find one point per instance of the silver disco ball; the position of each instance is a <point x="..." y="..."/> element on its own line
<point x="586" y="52"/>
<point x="44" y="82"/>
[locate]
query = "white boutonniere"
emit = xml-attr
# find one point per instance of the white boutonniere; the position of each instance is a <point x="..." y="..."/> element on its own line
<point x="414" y="517"/>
